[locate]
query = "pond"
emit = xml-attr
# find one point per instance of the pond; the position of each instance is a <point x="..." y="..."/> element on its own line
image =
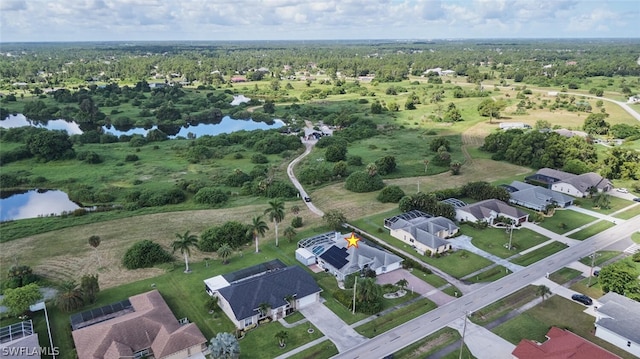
<point x="226" y="125"/>
<point x="34" y="203"/>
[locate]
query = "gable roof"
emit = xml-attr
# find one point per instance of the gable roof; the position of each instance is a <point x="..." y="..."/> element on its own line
<point x="581" y="182"/>
<point x="484" y="209"/>
<point x="537" y="195"/>
<point x="245" y="296"/>
<point x="561" y="344"/>
<point x="620" y="315"/>
<point x="424" y="229"/>
<point x="150" y="325"/>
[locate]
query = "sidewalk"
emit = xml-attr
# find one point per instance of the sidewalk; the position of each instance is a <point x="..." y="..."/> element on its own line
<point x="464" y="242"/>
<point x="549" y="234"/>
<point x="482" y="343"/>
<point x="595" y="214"/>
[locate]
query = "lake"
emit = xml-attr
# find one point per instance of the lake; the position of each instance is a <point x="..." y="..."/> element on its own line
<point x="227" y="125"/>
<point x="34" y="203"/>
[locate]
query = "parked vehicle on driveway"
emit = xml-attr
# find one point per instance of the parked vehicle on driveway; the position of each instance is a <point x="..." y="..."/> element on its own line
<point x="622" y="190"/>
<point x="582" y="299"/>
<point x="637" y="199"/>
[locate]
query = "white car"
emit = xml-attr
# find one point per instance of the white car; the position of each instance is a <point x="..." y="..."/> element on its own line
<point x="622" y="190"/>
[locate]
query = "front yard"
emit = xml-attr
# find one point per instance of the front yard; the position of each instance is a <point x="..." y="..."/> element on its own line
<point x="565" y="220"/>
<point x="539" y="254"/>
<point x="496" y="241"/>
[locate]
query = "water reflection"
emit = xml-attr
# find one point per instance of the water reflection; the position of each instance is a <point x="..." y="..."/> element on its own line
<point x="226" y="125"/>
<point x="34" y="203"/>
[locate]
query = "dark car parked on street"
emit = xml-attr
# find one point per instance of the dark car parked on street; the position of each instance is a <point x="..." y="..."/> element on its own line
<point x="582" y="299"/>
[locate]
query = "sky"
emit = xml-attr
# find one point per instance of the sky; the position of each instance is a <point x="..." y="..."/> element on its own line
<point x="227" y="20"/>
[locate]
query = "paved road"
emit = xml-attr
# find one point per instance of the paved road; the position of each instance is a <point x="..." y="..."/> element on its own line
<point x="342" y="335"/>
<point x="292" y="177"/>
<point x="416" y="329"/>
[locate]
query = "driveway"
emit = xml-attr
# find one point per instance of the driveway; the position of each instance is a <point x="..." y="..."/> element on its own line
<point x="341" y="334"/>
<point x="415" y="284"/>
<point x="482" y="343"/>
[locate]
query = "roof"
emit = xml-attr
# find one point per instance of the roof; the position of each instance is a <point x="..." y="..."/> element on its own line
<point x="425" y="229"/>
<point x="561" y="344"/>
<point x="388" y="222"/>
<point x="272" y="287"/>
<point x="335" y="256"/>
<point x="253" y="270"/>
<point x="620" y="315"/>
<point x="151" y="325"/>
<point x="537" y="195"/>
<point x="581" y="182"/>
<point x="484" y="209"/>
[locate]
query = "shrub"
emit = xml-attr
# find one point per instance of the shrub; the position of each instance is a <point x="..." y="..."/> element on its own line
<point x="354" y="161"/>
<point x="145" y="254"/>
<point x="131" y="158"/>
<point x="89" y="157"/>
<point x="296" y="222"/>
<point x="233" y="233"/>
<point x="391" y="194"/>
<point x="259" y="158"/>
<point x="211" y="195"/>
<point x="361" y="182"/>
<point x="335" y="153"/>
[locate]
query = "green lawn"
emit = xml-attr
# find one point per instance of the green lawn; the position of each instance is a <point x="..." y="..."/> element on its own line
<point x="261" y="342"/>
<point x="592" y="230"/>
<point x="615" y="204"/>
<point x="555" y="311"/>
<point x="459" y="263"/>
<point x="539" y="253"/>
<point x="489" y="275"/>
<point x="601" y="257"/>
<point x="324" y="350"/>
<point x="431" y="344"/>
<point x="563" y="275"/>
<point x="395" y="318"/>
<point x="503" y="306"/>
<point x="629" y="213"/>
<point x="496" y="241"/>
<point x="592" y="289"/>
<point x="565" y="220"/>
<point x="636" y="237"/>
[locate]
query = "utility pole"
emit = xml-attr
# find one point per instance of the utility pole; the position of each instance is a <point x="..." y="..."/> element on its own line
<point x="510" y="235"/>
<point x="593" y="260"/>
<point x="355" y="284"/>
<point x="464" y="329"/>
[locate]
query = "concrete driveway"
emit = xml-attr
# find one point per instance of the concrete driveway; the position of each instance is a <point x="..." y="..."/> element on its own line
<point x="415" y="284"/>
<point x="482" y="342"/>
<point x="341" y="334"/>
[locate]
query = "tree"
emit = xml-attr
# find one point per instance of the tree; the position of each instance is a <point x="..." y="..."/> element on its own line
<point x="290" y="233"/>
<point x="144" y="254"/>
<point x="402" y="283"/>
<point x="368" y="296"/>
<point x="89" y="287"/>
<point x="224" y="252"/>
<point x="94" y="241"/>
<point x="543" y="291"/>
<point x="438" y="143"/>
<point x="291" y="299"/>
<point x="334" y="218"/>
<point x="19" y="276"/>
<point x="372" y="169"/>
<point x="264" y="308"/>
<point x="602" y="200"/>
<point x="390" y="194"/>
<point x="455" y="167"/>
<point x="295" y="210"/>
<point x="595" y="124"/>
<point x="224" y="346"/>
<point x="282" y="337"/>
<point x="18" y="300"/>
<point x="335" y="153"/>
<point x="426" y="165"/>
<point x="184" y="244"/>
<point x="276" y="214"/>
<point x="69" y="297"/>
<point x="620" y="277"/>
<point x="490" y="108"/>
<point x="50" y="145"/>
<point x="386" y="165"/>
<point x="257" y="228"/>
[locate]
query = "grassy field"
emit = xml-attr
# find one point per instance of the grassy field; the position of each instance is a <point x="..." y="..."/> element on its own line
<point x="324" y="350"/>
<point x="489" y="275"/>
<point x="503" y="306"/>
<point x="601" y="257"/>
<point x="395" y="318"/>
<point x="615" y="205"/>
<point x="591" y="230"/>
<point x="563" y="275"/>
<point x="555" y="311"/>
<point x="539" y="254"/>
<point x="496" y="241"/>
<point x="431" y="344"/>
<point x="629" y="213"/>
<point x="564" y="221"/>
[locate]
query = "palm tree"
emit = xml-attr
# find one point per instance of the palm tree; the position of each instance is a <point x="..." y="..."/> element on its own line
<point x="224" y="345"/>
<point x="426" y="165"/>
<point x="94" y="241"/>
<point x="290" y="233"/>
<point x="264" y="309"/>
<point x="224" y="252"/>
<point x="372" y="169"/>
<point x="291" y="299"/>
<point x="402" y="283"/>
<point x="543" y="291"/>
<point x="368" y="290"/>
<point x="276" y="213"/>
<point x="455" y="167"/>
<point x="184" y="244"/>
<point x="295" y="210"/>
<point x="282" y="337"/>
<point x="257" y="228"/>
<point x="70" y="297"/>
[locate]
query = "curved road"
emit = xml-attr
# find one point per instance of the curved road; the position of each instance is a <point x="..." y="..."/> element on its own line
<point x="292" y="177"/>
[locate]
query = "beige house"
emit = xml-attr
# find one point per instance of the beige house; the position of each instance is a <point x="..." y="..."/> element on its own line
<point x="426" y="234"/>
<point x="141" y="326"/>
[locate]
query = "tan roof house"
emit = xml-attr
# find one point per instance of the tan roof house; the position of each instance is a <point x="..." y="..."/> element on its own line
<point x="423" y="232"/>
<point x="142" y="326"/>
<point x="488" y="210"/>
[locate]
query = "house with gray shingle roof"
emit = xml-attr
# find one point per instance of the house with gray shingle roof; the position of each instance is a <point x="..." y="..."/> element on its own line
<point x="426" y="234"/>
<point x="572" y="184"/>
<point x="536" y="197"/>
<point x="618" y="322"/>
<point x="240" y="296"/>
<point x="146" y="328"/>
<point x="488" y="210"/>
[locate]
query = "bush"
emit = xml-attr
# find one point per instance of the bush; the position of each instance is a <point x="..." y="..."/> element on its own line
<point x="211" y="195"/>
<point x="259" y="158"/>
<point x="361" y="182"/>
<point x="335" y="153"/>
<point x="391" y="194"/>
<point x="354" y="161"/>
<point x="145" y="254"/>
<point x="296" y="222"/>
<point x="233" y="233"/>
<point x="131" y="158"/>
<point x="89" y="157"/>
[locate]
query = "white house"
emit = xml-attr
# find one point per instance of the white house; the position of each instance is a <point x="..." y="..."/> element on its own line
<point x="305" y="256"/>
<point x="488" y="210"/>
<point x="536" y="197"/>
<point x="571" y="184"/>
<point x="423" y="232"/>
<point x="241" y="294"/>
<point x="19" y="341"/>
<point x="618" y="322"/>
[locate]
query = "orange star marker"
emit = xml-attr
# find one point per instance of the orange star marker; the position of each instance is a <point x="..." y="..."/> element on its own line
<point x="353" y="241"/>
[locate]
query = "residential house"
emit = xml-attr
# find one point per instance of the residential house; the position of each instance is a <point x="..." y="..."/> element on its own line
<point x="570" y="133"/>
<point x="536" y="197"/>
<point x="423" y="232"/>
<point x="241" y="294"/>
<point x="141" y="326"/>
<point x="335" y="256"/>
<point x="513" y="125"/>
<point x="560" y="344"/>
<point x="19" y="341"/>
<point x="488" y="210"/>
<point x="569" y="183"/>
<point x="618" y="322"/>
